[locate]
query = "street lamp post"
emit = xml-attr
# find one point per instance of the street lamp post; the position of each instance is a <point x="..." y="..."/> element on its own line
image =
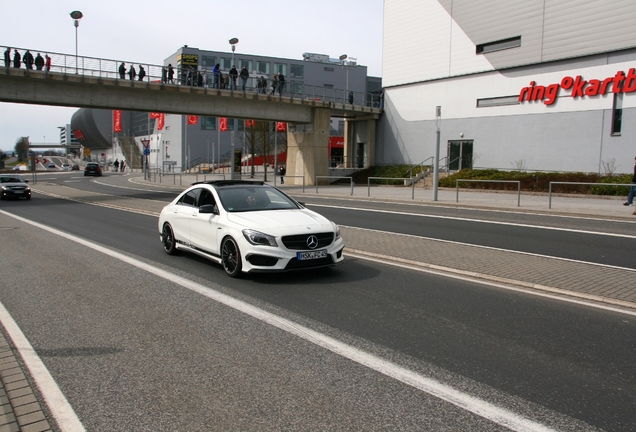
<point x="76" y="15"/>
<point x="233" y="42"/>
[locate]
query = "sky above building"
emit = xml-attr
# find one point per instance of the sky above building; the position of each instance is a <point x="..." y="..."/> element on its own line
<point x="150" y="31"/>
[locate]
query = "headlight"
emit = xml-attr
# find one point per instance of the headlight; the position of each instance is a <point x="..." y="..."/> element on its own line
<point x="336" y="229"/>
<point x="258" y="238"/>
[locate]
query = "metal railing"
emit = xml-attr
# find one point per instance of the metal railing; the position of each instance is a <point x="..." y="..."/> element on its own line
<point x="290" y="176"/>
<point x="69" y="64"/>
<point x="581" y="183"/>
<point x="335" y="177"/>
<point x="410" y="179"/>
<point x="489" y="181"/>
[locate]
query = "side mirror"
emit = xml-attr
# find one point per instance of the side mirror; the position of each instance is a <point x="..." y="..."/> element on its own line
<point x="209" y="209"/>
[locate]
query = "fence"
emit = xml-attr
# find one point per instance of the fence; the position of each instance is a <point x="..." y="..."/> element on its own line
<point x="335" y="177"/>
<point x="581" y="183"/>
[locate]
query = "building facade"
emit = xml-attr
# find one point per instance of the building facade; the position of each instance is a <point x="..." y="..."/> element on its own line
<point x="535" y="85"/>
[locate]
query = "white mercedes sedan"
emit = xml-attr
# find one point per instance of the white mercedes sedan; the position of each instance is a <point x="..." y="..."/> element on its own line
<point x="248" y="226"/>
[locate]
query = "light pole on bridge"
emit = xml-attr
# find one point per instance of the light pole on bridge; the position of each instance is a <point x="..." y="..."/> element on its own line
<point x="76" y="15"/>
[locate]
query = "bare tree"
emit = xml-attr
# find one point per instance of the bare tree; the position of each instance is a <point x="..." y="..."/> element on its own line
<point x="520" y="165"/>
<point x="609" y="166"/>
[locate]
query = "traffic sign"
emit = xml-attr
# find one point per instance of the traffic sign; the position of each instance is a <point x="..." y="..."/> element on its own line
<point x="146" y="151"/>
<point x="146" y="143"/>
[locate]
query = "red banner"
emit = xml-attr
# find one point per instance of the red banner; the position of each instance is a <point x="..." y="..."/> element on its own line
<point x="155" y="115"/>
<point x="117" y="121"/>
<point x="78" y="134"/>
<point x="192" y="119"/>
<point x="281" y="126"/>
<point x="161" y="121"/>
<point x="223" y="123"/>
<point x="250" y="123"/>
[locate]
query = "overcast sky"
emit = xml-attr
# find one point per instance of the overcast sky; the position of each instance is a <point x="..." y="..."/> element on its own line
<point x="150" y="31"/>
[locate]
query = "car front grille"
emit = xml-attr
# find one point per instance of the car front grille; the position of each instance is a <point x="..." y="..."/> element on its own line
<point x="294" y="264"/>
<point x="299" y="242"/>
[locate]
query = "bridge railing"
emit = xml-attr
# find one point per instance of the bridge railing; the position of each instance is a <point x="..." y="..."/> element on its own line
<point x="155" y="73"/>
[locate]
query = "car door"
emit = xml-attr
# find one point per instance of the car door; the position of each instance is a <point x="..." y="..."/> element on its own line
<point x="204" y="226"/>
<point x="181" y="215"/>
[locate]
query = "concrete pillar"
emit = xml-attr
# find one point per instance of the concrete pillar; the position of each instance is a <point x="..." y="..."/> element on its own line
<point x="359" y="131"/>
<point x="308" y="149"/>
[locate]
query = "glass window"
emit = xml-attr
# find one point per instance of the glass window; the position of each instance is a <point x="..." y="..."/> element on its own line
<point x="297" y="88"/>
<point x="262" y="67"/>
<point x="208" y="62"/>
<point x="617" y="114"/>
<point x="230" y="124"/>
<point x="226" y="63"/>
<point x="513" y="42"/>
<point x="208" y="123"/>
<point x="297" y="71"/>
<point x="190" y="198"/>
<point x="248" y="63"/>
<point x="206" y="197"/>
<point x="280" y="68"/>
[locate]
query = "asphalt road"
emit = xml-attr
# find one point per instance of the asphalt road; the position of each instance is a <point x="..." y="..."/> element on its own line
<point x="134" y="351"/>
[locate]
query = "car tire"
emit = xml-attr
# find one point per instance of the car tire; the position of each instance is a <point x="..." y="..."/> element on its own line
<point x="231" y="257"/>
<point x="168" y="240"/>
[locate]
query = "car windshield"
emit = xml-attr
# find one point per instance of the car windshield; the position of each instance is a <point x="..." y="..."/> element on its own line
<point x="254" y="198"/>
<point x="4" y="179"/>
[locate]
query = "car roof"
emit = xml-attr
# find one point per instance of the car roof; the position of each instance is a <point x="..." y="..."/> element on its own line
<point x="230" y="183"/>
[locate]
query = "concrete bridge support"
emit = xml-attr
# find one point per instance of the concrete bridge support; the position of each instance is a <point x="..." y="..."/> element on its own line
<point x="359" y="148"/>
<point x="308" y="148"/>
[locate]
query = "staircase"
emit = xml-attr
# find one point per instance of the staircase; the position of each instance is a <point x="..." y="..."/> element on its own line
<point x="427" y="180"/>
<point x="131" y="152"/>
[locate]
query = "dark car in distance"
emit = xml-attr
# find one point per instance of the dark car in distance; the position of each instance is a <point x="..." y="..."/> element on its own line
<point x="92" y="168"/>
<point x="14" y="186"/>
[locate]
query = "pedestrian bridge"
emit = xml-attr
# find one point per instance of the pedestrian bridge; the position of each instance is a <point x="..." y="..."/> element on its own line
<point x="89" y="82"/>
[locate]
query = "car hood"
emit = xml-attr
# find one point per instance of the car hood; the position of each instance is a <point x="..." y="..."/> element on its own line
<point x="14" y="184"/>
<point x="275" y="219"/>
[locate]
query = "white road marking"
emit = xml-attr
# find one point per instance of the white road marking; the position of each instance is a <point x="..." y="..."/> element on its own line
<point x="59" y="406"/>
<point x="487" y="410"/>
<point x="479" y="220"/>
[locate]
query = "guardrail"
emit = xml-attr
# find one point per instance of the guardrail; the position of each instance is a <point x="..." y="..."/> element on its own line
<point x="411" y="179"/>
<point x="335" y="177"/>
<point x="580" y="183"/>
<point x="489" y="181"/>
<point x="70" y="64"/>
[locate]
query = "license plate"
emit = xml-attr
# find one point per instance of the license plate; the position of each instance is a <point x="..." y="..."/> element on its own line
<point x="311" y="255"/>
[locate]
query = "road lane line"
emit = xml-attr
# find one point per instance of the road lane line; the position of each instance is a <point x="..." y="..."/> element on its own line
<point x="484" y="409"/>
<point x="59" y="406"/>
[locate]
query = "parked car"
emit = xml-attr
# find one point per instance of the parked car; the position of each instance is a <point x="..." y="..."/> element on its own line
<point x="51" y="165"/>
<point x="248" y="226"/>
<point x="92" y="168"/>
<point x="66" y="167"/>
<point x="14" y="186"/>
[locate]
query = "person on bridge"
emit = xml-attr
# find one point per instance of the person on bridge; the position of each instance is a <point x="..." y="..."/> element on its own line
<point x="16" y="59"/>
<point x="39" y="62"/>
<point x="281" y="84"/>
<point x="142" y="73"/>
<point x="234" y="75"/>
<point x="216" y="72"/>
<point x="170" y="73"/>
<point x="245" y="74"/>
<point x="47" y="63"/>
<point x="27" y="59"/>
<point x="7" y="58"/>
<point x="132" y="73"/>
<point x="122" y="71"/>
<point x="274" y="83"/>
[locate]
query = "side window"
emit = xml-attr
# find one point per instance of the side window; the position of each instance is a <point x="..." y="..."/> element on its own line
<point x="190" y="198"/>
<point x="206" y="197"/>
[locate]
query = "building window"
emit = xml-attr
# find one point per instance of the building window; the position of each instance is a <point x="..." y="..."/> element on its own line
<point x="280" y="68"/>
<point x="208" y="62"/>
<point x="617" y="114"/>
<point x="226" y="63"/>
<point x="208" y="123"/>
<point x="499" y="45"/>
<point x="262" y="67"/>
<point x="498" y="101"/>
<point x="297" y="71"/>
<point x="246" y="63"/>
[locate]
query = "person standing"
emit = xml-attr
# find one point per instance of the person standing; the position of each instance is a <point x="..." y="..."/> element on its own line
<point x="122" y="71"/>
<point x="47" y="63"/>
<point x="216" y="72"/>
<point x="132" y="73"/>
<point x="142" y="73"/>
<point x="632" y="190"/>
<point x="116" y="165"/>
<point x="16" y="59"/>
<point x="164" y="75"/>
<point x="39" y="62"/>
<point x="170" y="73"/>
<point x="7" y="58"/>
<point x="122" y="166"/>
<point x="274" y="83"/>
<point x="233" y="76"/>
<point x="281" y="84"/>
<point x="27" y="59"/>
<point x="282" y="171"/>
<point x="245" y="74"/>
